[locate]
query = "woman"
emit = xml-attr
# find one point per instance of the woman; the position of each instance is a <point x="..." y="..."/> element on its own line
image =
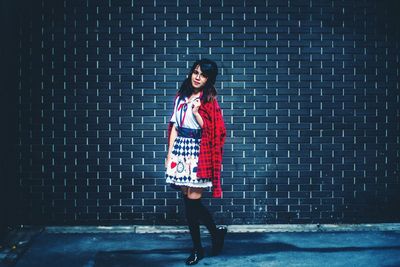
<point x="196" y="136"/>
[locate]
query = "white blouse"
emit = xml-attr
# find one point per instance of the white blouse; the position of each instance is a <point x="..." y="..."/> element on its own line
<point x="183" y="114"/>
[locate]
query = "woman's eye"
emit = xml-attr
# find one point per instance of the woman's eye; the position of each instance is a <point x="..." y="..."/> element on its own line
<point x="195" y="72"/>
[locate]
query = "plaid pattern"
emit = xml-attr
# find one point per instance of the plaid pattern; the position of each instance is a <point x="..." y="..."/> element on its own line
<point x="211" y="145"/>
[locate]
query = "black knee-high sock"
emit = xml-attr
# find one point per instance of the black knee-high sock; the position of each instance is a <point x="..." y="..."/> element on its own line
<point x="193" y="222"/>
<point x="205" y="216"/>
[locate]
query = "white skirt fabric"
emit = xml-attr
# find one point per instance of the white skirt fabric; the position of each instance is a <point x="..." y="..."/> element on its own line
<point x="182" y="170"/>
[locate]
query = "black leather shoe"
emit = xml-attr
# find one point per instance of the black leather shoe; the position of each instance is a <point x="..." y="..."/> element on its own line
<point x="195" y="256"/>
<point x="218" y="241"/>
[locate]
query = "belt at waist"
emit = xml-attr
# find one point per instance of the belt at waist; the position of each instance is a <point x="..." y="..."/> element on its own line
<point x="191" y="133"/>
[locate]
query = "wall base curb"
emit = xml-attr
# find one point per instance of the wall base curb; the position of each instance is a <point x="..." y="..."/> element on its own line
<point x="269" y="228"/>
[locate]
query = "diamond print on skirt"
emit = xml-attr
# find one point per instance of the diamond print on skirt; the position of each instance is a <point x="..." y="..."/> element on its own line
<point x="184" y="146"/>
<point x="182" y="170"/>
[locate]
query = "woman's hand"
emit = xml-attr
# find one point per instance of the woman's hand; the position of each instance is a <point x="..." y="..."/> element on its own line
<point x="195" y="106"/>
<point x="195" y="109"/>
<point x="167" y="161"/>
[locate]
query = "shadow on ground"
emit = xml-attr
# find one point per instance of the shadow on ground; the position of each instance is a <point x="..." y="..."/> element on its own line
<point x="234" y="249"/>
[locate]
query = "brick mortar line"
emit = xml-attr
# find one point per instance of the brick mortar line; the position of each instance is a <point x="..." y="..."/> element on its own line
<point x="143" y="229"/>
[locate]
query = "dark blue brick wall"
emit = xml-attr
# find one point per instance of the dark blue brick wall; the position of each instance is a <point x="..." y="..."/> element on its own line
<point x="8" y="116"/>
<point x="309" y="90"/>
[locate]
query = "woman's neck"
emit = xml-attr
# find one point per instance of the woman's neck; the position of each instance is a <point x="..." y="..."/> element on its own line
<point x="196" y="93"/>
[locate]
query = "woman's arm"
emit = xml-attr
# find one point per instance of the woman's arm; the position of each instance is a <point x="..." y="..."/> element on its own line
<point x="199" y="119"/>
<point x="173" y="135"/>
<point x="195" y="110"/>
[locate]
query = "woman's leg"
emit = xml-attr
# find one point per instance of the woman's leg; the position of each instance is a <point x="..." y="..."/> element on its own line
<point x="196" y="211"/>
<point x="192" y="219"/>
<point x="194" y="228"/>
<point x="194" y="195"/>
<point x="202" y="213"/>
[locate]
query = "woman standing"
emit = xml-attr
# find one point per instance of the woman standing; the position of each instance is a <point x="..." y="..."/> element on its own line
<point x="196" y="137"/>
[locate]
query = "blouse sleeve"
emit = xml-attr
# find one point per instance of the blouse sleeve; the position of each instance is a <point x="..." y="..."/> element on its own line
<point x="173" y="117"/>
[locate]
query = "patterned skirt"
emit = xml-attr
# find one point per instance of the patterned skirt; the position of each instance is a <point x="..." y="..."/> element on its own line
<point x="182" y="170"/>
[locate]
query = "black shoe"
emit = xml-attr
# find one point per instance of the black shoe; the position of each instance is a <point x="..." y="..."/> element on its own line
<point x="218" y="241"/>
<point x="195" y="257"/>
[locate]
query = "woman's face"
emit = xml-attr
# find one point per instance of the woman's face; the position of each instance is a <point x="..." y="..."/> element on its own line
<point x="198" y="78"/>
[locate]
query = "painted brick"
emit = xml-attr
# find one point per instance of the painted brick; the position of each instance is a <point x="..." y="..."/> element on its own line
<point x="309" y="92"/>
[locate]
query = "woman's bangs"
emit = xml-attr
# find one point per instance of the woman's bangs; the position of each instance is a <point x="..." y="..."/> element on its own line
<point x="207" y="69"/>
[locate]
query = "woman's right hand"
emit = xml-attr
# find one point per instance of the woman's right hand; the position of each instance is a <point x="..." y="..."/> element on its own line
<point x="167" y="161"/>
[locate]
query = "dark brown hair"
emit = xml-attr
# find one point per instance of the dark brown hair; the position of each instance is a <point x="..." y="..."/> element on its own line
<point x="210" y="69"/>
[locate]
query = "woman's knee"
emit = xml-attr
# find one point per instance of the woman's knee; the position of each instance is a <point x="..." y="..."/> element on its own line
<point x="194" y="193"/>
<point x="184" y="190"/>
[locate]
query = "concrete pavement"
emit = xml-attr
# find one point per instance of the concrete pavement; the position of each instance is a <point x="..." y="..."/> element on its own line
<point x="56" y="248"/>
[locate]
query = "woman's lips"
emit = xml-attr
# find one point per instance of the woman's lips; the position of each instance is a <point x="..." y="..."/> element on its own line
<point x="196" y="83"/>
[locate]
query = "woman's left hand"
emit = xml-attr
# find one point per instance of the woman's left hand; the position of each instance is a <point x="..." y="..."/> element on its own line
<point x="195" y="106"/>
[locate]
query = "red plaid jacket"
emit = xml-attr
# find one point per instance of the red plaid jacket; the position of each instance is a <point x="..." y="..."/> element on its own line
<point x="211" y="144"/>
